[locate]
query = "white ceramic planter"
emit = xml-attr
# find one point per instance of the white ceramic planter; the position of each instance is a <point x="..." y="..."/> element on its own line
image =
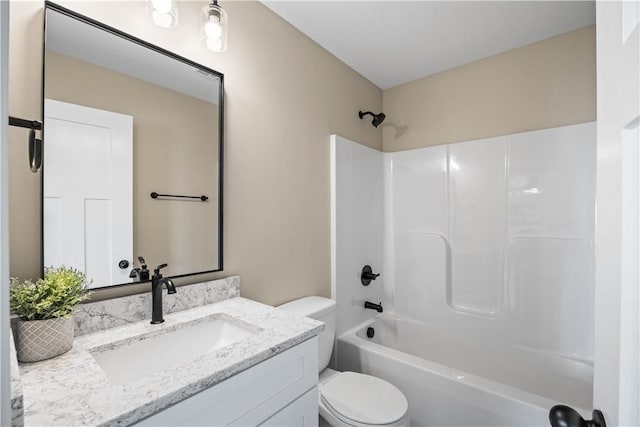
<point x="43" y="339"/>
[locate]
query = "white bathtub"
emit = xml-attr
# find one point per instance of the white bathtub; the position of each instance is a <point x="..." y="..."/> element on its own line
<point x="464" y="378"/>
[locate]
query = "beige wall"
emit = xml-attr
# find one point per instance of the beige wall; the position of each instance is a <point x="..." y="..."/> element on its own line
<point x="175" y="151"/>
<point x="545" y="84"/>
<point x="284" y="96"/>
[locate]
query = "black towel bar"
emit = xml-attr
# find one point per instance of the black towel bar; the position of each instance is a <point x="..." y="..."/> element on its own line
<point x="155" y="195"/>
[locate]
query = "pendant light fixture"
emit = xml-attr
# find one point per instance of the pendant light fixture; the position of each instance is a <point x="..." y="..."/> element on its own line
<point x="214" y="27"/>
<point x="163" y="12"/>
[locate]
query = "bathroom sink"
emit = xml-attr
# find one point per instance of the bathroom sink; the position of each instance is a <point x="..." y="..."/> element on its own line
<point x="128" y="361"/>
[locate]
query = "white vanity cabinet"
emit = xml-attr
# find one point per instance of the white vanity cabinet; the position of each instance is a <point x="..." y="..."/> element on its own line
<point x="281" y="391"/>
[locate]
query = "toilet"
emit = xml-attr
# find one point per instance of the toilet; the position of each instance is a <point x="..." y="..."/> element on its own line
<point x="349" y="398"/>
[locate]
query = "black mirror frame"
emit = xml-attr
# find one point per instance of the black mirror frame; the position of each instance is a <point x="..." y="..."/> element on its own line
<point x="48" y="5"/>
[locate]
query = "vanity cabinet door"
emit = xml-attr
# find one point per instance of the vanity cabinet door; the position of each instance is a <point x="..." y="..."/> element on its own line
<point x="250" y="397"/>
<point x="302" y="412"/>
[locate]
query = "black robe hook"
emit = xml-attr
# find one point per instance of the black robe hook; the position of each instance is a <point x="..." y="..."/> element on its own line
<point x="35" y="152"/>
<point x="35" y="144"/>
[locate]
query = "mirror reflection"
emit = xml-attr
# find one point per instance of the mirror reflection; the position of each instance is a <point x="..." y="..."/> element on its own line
<point x="123" y="120"/>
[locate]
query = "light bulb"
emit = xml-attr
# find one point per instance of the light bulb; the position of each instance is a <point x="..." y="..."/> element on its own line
<point x="164" y="20"/>
<point x="212" y="29"/>
<point x="163" y="12"/>
<point x="215" y="45"/>
<point x="162" y="6"/>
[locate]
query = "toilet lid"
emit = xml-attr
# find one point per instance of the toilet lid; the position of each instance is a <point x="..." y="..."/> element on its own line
<point x="363" y="398"/>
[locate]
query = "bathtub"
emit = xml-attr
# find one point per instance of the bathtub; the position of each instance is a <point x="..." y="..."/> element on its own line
<point x="465" y="378"/>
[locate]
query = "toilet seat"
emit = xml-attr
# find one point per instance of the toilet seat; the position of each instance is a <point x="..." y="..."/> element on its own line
<point x="362" y="400"/>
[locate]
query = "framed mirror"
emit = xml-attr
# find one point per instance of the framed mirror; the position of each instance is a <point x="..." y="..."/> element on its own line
<point x="133" y="155"/>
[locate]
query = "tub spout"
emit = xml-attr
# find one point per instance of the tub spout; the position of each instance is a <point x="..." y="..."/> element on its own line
<point x="372" y="306"/>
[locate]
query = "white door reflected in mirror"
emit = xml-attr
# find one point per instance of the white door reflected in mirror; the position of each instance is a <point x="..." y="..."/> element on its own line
<point x="88" y="186"/>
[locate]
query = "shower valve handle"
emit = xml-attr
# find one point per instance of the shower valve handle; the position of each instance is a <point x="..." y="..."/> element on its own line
<point x="367" y="275"/>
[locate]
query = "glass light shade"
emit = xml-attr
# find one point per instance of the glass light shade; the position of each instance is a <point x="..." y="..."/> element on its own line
<point x="213" y="27"/>
<point x="163" y="12"/>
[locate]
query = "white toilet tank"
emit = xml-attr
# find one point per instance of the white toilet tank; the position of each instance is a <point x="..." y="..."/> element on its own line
<point x="324" y="310"/>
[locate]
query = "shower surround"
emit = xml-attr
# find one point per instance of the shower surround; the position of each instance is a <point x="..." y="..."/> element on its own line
<point x="490" y="238"/>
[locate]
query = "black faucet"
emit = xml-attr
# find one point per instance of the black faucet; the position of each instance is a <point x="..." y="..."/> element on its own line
<point x="144" y="271"/>
<point x="372" y="306"/>
<point x="156" y="293"/>
<point x="140" y="274"/>
<point x="135" y="274"/>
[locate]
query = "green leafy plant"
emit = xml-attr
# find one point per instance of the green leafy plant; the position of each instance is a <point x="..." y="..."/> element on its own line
<point x="53" y="296"/>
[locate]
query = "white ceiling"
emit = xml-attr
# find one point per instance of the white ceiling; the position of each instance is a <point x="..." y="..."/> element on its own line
<point x="394" y="42"/>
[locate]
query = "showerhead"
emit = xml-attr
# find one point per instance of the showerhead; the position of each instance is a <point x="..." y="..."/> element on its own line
<point x="377" y="118"/>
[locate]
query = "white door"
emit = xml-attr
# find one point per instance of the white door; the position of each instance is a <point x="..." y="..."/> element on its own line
<point x="617" y="326"/>
<point x="88" y="186"/>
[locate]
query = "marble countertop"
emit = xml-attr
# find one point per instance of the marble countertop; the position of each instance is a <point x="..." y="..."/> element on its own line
<point x="72" y="390"/>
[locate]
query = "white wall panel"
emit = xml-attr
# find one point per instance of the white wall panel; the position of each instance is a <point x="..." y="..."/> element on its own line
<point x="552" y="182"/>
<point x="477" y="224"/>
<point x="415" y="221"/>
<point x="357" y="228"/>
<point x="550" y="254"/>
<point x="497" y="235"/>
<point x="419" y="190"/>
<point x="422" y="274"/>
<point x="549" y="304"/>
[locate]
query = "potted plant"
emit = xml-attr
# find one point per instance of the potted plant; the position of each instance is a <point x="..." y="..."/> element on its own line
<point x="45" y="325"/>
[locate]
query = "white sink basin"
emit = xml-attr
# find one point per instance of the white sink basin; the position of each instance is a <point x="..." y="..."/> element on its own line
<point x="131" y="360"/>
